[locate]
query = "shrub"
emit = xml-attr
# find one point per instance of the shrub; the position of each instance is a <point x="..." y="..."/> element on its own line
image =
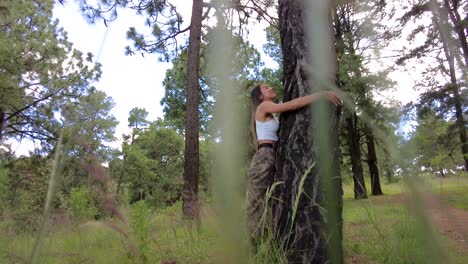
<point x="141" y="228"/>
<point x="81" y="204"/>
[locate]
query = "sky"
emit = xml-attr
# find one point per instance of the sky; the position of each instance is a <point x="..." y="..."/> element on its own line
<point x="136" y="81"/>
<point x="132" y="81"/>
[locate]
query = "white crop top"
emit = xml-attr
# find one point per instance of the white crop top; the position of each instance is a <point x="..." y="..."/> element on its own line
<point x="267" y="130"/>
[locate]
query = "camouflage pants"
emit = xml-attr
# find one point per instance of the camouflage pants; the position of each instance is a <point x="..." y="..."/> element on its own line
<point x="260" y="178"/>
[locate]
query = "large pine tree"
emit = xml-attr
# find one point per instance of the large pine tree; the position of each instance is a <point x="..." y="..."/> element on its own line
<point x="308" y="154"/>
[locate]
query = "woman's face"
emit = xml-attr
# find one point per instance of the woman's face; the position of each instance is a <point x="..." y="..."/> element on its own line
<point x="268" y="93"/>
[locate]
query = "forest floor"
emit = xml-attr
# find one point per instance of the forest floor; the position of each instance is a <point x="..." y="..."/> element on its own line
<point x="406" y="225"/>
<point x="441" y="210"/>
<point x="445" y="218"/>
<point x="448" y="220"/>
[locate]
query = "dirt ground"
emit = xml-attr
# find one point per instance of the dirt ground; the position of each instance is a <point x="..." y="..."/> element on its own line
<point x="448" y="220"/>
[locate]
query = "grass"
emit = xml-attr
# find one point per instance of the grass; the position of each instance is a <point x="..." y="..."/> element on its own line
<point x="169" y="238"/>
<point x="378" y="230"/>
<point x="452" y="190"/>
<point x="381" y="232"/>
<point x="384" y="229"/>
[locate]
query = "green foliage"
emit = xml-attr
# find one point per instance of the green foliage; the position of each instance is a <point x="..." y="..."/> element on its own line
<point x="91" y="128"/>
<point x="366" y="119"/>
<point x="441" y="57"/>
<point x="206" y="164"/>
<point x="380" y="230"/>
<point x="162" y="18"/>
<point x="273" y="76"/>
<point x="166" y="24"/>
<point x="92" y="122"/>
<point x="435" y="146"/>
<point x="272" y="47"/>
<point x="27" y="188"/>
<point x="81" y="204"/>
<point x="141" y="228"/>
<point x="137" y="118"/>
<point x="4" y="172"/>
<point x="246" y="71"/>
<point x="175" y="91"/>
<point x="151" y="165"/>
<point x="40" y="69"/>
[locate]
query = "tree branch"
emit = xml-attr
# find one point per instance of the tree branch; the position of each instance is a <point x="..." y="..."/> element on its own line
<point x="32" y="104"/>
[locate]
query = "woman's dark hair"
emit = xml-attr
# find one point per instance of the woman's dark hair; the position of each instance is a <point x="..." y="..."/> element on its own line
<point x="256" y="99"/>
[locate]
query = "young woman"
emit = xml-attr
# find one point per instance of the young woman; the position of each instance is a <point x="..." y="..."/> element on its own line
<point x="265" y="133"/>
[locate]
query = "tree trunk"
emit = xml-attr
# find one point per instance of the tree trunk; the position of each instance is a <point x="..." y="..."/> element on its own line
<point x="457" y="24"/>
<point x="2" y="122"/>
<point x="192" y="122"/>
<point x="354" y="143"/>
<point x="376" y="189"/>
<point x="122" y="175"/>
<point x="442" y="174"/>
<point x="441" y="17"/>
<point x="341" y="25"/>
<point x="457" y="21"/>
<point x="309" y="217"/>
<point x="461" y="124"/>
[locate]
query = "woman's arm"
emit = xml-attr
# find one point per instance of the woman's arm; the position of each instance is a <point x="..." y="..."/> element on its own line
<point x="270" y="107"/>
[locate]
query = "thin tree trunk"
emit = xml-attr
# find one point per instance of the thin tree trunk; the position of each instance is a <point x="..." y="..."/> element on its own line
<point x="119" y="181"/>
<point x="442" y="174"/>
<point x="343" y="24"/>
<point x="354" y="143"/>
<point x="192" y="122"/>
<point x="2" y="122"/>
<point x="308" y="234"/>
<point x="461" y="124"/>
<point x="376" y="189"/>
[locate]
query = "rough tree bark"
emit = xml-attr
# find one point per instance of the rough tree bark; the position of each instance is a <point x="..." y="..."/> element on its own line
<point x="192" y="122"/>
<point x="308" y="225"/>
<point x="376" y="189"/>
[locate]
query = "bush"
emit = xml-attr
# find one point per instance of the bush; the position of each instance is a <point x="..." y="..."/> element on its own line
<point x="141" y="228"/>
<point x="3" y="188"/>
<point x="26" y="215"/>
<point x="81" y="204"/>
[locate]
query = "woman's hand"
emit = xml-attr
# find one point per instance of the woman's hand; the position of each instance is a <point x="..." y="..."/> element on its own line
<point x="331" y="96"/>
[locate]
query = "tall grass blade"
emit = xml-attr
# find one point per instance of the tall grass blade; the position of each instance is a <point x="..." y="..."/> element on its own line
<point x="322" y="70"/>
<point x="227" y="175"/>
<point x="53" y="182"/>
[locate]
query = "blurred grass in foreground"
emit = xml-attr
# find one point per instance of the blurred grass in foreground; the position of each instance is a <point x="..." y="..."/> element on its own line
<point x="378" y="230"/>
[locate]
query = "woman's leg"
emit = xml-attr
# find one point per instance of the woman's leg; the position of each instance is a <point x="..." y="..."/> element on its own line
<point x="260" y="178"/>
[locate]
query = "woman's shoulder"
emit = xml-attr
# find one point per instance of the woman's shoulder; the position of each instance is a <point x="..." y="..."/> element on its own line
<point x="266" y="103"/>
